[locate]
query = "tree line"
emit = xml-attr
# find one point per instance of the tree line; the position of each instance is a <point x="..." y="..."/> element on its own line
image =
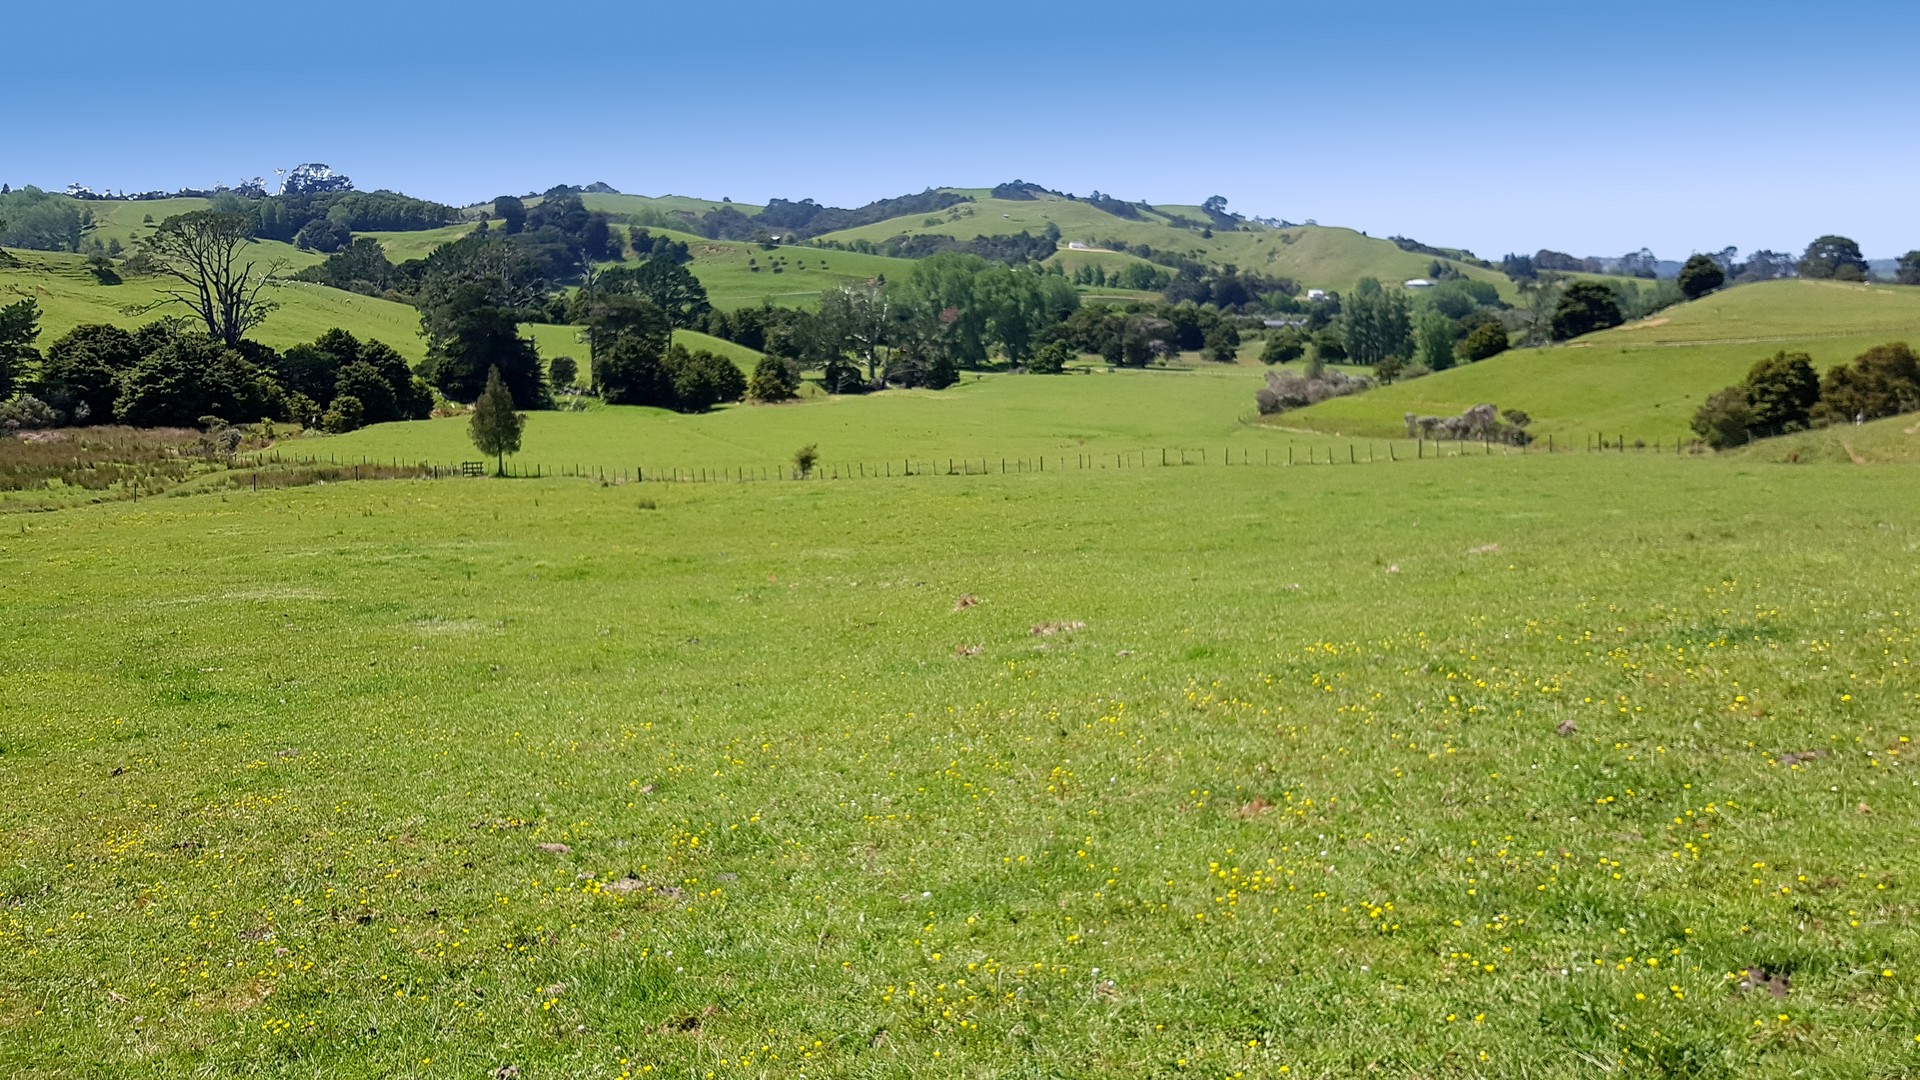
<point x="1782" y="394"/>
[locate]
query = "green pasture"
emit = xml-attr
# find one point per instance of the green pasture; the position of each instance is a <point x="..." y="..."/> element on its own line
<point x="1321" y="257"/>
<point x="69" y="295"/>
<point x="1097" y="414"/>
<point x="1480" y="767"/>
<point x="1643" y="380"/>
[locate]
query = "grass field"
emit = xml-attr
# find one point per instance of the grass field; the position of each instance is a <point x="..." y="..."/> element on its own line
<point x="995" y="416"/>
<point x="69" y="295"/>
<point x="1481" y="768"/>
<point x="1645" y="379"/>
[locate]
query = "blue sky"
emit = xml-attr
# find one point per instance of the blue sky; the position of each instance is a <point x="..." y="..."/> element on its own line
<point x="1591" y="128"/>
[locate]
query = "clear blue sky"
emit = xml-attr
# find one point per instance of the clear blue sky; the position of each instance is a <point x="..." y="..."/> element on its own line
<point x="1592" y="128"/>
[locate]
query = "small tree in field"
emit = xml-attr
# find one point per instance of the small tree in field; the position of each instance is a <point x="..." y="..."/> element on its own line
<point x="1700" y="276"/>
<point x="805" y="458"/>
<point x="495" y="427"/>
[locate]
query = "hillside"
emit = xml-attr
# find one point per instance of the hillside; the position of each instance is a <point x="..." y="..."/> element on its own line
<point x="69" y="295"/>
<point x="1315" y="256"/>
<point x="1643" y="380"/>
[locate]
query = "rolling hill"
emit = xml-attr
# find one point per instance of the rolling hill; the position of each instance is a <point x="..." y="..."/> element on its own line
<point x="1643" y="380"/>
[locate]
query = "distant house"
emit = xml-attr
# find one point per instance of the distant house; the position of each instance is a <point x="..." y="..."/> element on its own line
<point x="1075" y="245"/>
<point x="1419" y="283"/>
<point x="1316" y="294"/>
<point x="1275" y="324"/>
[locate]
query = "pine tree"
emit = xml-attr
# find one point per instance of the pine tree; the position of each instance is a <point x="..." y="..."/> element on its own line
<point x="495" y="426"/>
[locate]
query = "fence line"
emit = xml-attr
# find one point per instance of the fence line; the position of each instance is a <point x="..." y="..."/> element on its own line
<point x="1357" y="452"/>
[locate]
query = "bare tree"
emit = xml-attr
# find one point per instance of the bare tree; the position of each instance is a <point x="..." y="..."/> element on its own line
<point x="206" y="252"/>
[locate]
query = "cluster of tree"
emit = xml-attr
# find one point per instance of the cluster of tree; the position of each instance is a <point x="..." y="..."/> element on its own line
<point x="1227" y="287"/>
<point x="1139" y="334"/>
<point x="1833" y="258"/>
<point x="1138" y="276"/>
<point x="646" y="245"/>
<point x="1014" y="250"/>
<point x="39" y="221"/>
<point x="559" y="233"/>
<point x="322" y="216"/>
<point x="1782" y="393"/>
<point x="166" y="374"/>
<point x="798" y="220"/>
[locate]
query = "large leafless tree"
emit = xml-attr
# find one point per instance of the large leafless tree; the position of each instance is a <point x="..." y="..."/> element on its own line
<point x="209" y="256"/>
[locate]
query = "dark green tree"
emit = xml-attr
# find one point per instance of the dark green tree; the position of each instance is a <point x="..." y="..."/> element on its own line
<point x="562" y="372"/>
<point x="19" y="329"/>
<point x="1283" y="346"/>
<point x="80" y="376"/>
<point x="1700" y="276"/>
<point x="1834" y="257"/>
<point x="1725" y="419"/>
<point x="1883" y="381"/>
<point x="702" y="380"/>
<point x="1487" y="339"/>
<point x="620" y="316"/>
<point x="1223" y="343"/>
<point x="193" y="376"/>
<point x="1379" y="324"/>
<point x="1909" y="271"/>
<point x="511" y="212"/>
<point x="471" y="336"/>
<point x="1584" y="307"/>
<point x="1781" y="392"/>
<point x="773" y="380"/>
<point x="670" y="286"/>
<point x="495" y="427"/>
<point x="1051" y="358"/>
<point x="632" y="371"/>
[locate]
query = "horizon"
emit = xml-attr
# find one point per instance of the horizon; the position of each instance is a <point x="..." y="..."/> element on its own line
<point x="1412" y="145"/>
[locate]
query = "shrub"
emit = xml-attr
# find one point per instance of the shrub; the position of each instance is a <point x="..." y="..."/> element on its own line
<point x="1223" y="343"/>
<point x="1700" y="276"/>
<point x="1483" y="421"/>
<point x="702" y="380"/>
<point x="1586" y="306"/>
<point x="1283" y="347"/>
<point x="1724" y="419"/>
<point x="562" y="371"/>
<point x="344" y="414"/>
<point x="773" y="380"/>
<point x="1883" y="381"/>
<point x="27" y="413"/>
<point x="1051" y="358"/>
<point x="1781" y="392"/>
<point x="1487" y="339"/>
<point x="1289" y="390"/>
<point x="805" y="458"/>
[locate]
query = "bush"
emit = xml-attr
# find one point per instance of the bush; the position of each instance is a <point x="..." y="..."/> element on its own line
<point x="805" y="458"/>
<point x="1289" y="390"/>
<point x="562" y="372"/>
<point x="1883" y="381"/>
<point x="1586" y="306"/>
<point x="1223" y="343"/>
<point x="1051" y="358"/>
<point x="773" y="380"/>
<point x="1487" y="339"/>
<point x="345" y="414"/>
<point x="27" y="413"/>
<point x="1283" y="347"/>
<point x="702" y="380"/>
<point x="1483" y="421"/>
<point x="1781" y="392"/>
<point x="1724" y="419"/>
<point x="1700" y="276"/>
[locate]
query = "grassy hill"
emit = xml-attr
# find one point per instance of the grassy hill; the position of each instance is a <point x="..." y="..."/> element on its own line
<point x="739" y="274"/>
<point x="1895" y="439"/>
<point x="1644" y="380"/>
<point x="1315" y="256"/>
<point x="69" y="295"/>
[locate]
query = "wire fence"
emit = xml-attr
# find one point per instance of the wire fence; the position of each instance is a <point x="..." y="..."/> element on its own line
<point x="1344" y="453"/>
